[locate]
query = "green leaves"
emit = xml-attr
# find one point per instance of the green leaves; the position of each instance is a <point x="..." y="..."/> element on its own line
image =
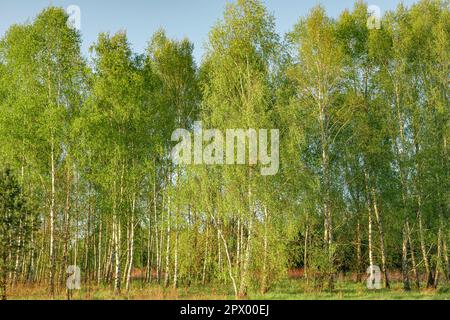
<point x="18" y="219"/>
<point x="363" y="117"/>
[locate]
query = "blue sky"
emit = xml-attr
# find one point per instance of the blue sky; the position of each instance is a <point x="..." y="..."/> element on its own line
<point x="180" y="18"/>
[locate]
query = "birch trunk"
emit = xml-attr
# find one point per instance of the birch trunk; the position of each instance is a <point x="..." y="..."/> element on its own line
<point x="423" y="248"/>
<point x="52" y="222"/>
<point x="264" y="284"/>
<point x="175" y="263"/>
<point x="382" y="243"/>
<point x="167" y="272"/>
<point x="205" y="261"/>
<point x="413" y="257"/>
<point x="116" y="244"/>
<point x="369" y="211"/>
<point x="405" y="272"/>
<point x="99" y="252"/>
<point x="358" y="252"/>
<point x="230" y="266"/>
<point x="305" y="253"/>
<point x="131" y="247"/>
<point x="438" y="259"/>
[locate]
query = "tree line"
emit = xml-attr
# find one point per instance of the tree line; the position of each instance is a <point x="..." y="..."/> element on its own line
<point x="363" y="113"/>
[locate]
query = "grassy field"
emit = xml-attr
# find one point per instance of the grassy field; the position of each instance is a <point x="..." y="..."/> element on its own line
<point x="288" y="289"/>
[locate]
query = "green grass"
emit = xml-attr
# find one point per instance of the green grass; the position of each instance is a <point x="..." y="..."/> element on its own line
<point x="297" y="290"/>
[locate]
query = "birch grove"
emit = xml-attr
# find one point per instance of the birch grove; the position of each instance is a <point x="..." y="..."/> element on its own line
<point x="87" y="178"/>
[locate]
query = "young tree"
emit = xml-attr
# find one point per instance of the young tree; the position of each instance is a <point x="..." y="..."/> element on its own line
<point x="238" y="93"/>
<point x="17" y="222"/>
<point x="317" y="73"/>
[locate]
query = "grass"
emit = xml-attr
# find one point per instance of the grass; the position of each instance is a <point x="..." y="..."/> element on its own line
<point x="296" y="290"/>
<point x="286" y="289"/>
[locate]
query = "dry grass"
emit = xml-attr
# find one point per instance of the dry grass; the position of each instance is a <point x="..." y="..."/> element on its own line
<point x="293" y="287"/>
<point x="152" y="292"/>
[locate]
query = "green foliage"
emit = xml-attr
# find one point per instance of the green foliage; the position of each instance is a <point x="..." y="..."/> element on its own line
<point x="363" y="119"/>
<point x="18" y="220"/>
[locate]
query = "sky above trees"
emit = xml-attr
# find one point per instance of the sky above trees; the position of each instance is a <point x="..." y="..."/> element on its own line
<point x="141" y="18"/>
